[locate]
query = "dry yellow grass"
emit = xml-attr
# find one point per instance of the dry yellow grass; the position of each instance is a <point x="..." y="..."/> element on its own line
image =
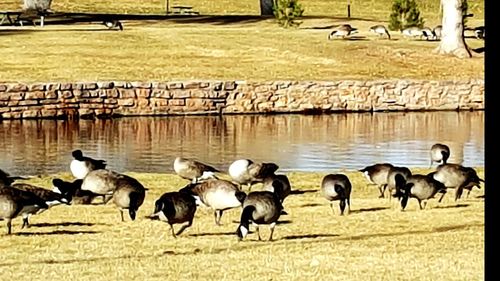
<point x="374" y="242"/>
<point x="233" y="47"/>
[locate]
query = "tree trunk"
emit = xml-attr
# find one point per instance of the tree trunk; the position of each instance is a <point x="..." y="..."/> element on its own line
<point x="266" y="7"/>
<point x="452" y="39"/>
<point x="37" y="5"/>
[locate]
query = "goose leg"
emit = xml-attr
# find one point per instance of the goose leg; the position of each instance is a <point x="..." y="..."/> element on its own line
<point x="172" y="229"/>
<point x="381" y="189"/>
<point x="271" y="227"/>
<point x="218" y="216"/>
<point x="420" y="204"/>
<point x="121" y="215"/>
<point x="184" y="227"/>
<point x="342" y="207"/>
<point x="258" y="233"/>
<point x="458" y="193"/>
<point x="25" y="221"/>
<point x="348" y="205"/>
<point x="9" y="226"/>
<point x="441" y="198"/>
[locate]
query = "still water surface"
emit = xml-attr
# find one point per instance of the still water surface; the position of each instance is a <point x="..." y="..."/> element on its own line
<point x="326" y="143"/>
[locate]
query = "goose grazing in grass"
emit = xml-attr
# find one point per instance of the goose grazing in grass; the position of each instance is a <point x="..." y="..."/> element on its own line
<point x="174" y="208"/>
<point x="439" y="153"/>
<point x="113" y="24"/>
<point x="420" y="187"/>
<point x="245" y="171"/>
<point x="458" y="177"/>
<point x="413" y="32"/>
<point x="380" y="30"/>
<point x="193" y="170"/>
<point x="377" y="174"/>
<point x="81" y="165"/>
<point x="48" y="196"/>
<point x="271" y="181"/>
<point x="74" y="191"/>
<point x="13" y="201"/>
<point x="342" y="31"/>
<point x="260" y="207"/>
<point x="391" y="178"/>
<point x="337" y="187"/>
<point x="129" y="196"/>
<point x="220" y="195"/>
<point x="127" y="193"/>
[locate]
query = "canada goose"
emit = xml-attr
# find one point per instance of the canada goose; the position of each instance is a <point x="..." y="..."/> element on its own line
<point x="415" y="31"/>
<point x="337" y="187"/>
<point x="377" y="174"/>
<point x="437" y="32"/>
<point x="479" y="32"/>
<point x="220" y="195"/>
<point x="391" y="178"/>
<point x="81" y="165"/>
<point x="342" y="31"/>
<point x="427" y="33"/>
<point x="245" y="171"/>
<point x="13" y="201"/>
<point x="113" y="24"/>
<point x="458" y="177"/>
<point x="102" y="182"/>
<point x="193" y="170"/>
<point x="420" y="187"/>
<point x="48" y="196"/>
<point x="284" y="189"/>
<point x="73" y="190"/>
<point x="175" y="207"/>
<point x="259" y="207"/>
<point x="380" y="30"/>
<point x="128" y="195"/>
<point x="439" y="153"/>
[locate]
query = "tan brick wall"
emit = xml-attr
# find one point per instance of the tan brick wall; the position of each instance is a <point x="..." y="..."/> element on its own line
<point x="121" y="98"/>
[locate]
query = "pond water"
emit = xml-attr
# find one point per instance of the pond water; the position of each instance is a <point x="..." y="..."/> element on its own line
<point x="323" y="143"/>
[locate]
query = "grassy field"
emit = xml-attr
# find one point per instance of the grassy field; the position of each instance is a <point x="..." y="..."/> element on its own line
<point x="228" y="41"/>
<point x="374" y="242"/>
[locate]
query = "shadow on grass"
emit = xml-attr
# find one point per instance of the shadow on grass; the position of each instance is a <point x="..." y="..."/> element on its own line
<point x="213" y="234"/>
<point x="56" y="232"/>
<point x="63" y="224"/>
<point x="311" y="205"/>
<point x="374" y="209"/>
<point x="308" y="236"/>
<point x="278" y="222"/>
<point x="298" y="192"/>
<point x="452" y="206"/>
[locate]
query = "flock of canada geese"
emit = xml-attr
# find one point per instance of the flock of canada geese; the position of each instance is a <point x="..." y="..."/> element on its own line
<point x="205" y="188"/>
<point x="345" y="30"/>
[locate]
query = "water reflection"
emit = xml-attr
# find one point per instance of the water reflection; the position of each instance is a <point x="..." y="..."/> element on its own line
<point x="296" y="142"/>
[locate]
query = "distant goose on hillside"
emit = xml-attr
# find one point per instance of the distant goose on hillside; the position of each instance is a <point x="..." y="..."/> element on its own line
<point x="342" y="31"/>
<point x="81" y="165"/>
<point x="113" y="24"/>
<point x="193" y="170"/>
<point x="380" y="30"/>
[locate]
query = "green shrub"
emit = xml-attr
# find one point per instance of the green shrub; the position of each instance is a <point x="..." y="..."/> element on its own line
<point x="287" y="11"/>
<point x="405" y="13"/>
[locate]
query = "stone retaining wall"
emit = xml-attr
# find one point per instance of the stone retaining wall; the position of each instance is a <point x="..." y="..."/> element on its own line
<point x="113" y="99"/>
